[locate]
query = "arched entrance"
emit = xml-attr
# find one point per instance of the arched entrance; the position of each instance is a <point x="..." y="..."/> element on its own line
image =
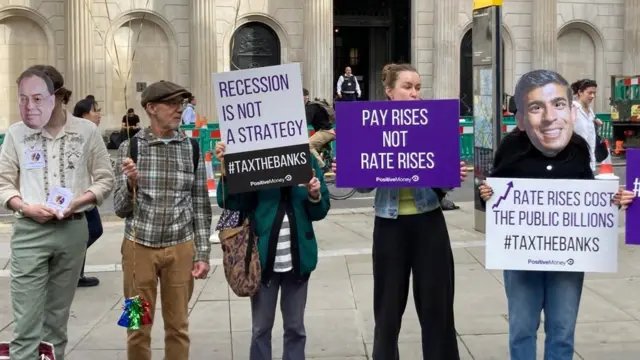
<point x="466" y="73"/>
<point x="254" y="45"/>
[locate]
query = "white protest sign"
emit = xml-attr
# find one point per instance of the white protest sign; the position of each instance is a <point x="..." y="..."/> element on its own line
<point x="261" y="108"/>
<point x="263" y="125"/>
<point x="552" y="225"/>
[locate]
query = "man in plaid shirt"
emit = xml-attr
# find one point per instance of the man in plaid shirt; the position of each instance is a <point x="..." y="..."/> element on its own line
<point x="167" y="232"/>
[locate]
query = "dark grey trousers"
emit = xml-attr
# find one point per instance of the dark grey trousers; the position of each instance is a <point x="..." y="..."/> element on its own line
<point x="293" y="301"/>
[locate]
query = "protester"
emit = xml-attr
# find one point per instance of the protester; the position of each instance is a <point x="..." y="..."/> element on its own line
<point x="52" y="157"/>
<point x="288" y="254"/>
<point x="88" y="109"/>
<point x="543" y="146"/>
<point x="166" y="238"/>
<point x="410" y="237"/>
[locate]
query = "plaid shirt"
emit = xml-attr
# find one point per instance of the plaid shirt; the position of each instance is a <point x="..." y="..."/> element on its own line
<point x="172" y="203"/>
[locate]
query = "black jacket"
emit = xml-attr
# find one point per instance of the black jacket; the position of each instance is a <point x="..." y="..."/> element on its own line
<point x="317" y="117"/>
<point x="518" y="158"/>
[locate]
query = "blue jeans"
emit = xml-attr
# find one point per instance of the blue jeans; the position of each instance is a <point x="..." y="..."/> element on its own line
<point x="530" y="292"/>
<point x="95" y="229"/>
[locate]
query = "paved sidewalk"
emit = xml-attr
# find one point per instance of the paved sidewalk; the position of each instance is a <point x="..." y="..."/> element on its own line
<point x="339" y="317"/>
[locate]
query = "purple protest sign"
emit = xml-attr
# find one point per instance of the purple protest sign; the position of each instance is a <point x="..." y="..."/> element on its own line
<point x="398" y="143"/>
<point x="632" y="227"/>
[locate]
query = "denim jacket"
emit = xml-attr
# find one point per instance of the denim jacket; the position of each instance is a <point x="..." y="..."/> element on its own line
<point x="387" y="199"/>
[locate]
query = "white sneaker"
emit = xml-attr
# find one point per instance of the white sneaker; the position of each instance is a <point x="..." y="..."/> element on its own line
<point x="214" y="238"/>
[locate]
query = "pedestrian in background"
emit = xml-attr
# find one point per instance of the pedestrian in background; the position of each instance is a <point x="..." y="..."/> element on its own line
<point x="88" y="109"/>
<point x="348" y="88"/>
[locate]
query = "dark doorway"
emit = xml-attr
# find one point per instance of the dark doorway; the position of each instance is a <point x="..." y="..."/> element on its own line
<point x="254" y="45"/>
<point x="466" y="73"/>
<point x="368" y="34"/>
<point x="351" y="50"/>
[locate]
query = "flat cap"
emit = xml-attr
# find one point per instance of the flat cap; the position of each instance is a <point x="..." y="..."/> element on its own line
<point x="163" y="91"/>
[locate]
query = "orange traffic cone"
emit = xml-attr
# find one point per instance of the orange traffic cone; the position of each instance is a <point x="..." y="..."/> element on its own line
<point x="211" y="186"/>
<point x="606" y="170"/>
<point x="211" y="180"/>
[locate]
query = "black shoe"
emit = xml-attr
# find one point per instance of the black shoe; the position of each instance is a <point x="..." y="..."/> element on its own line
<point x="86" y="281"/>
<point x="448" y="205"/>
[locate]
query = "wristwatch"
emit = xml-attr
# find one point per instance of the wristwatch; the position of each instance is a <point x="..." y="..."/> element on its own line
<point x="20" y="211"/>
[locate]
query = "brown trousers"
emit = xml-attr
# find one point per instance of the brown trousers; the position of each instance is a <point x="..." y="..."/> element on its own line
<point x="172" y="267"/>
<point x="317" y="141"/>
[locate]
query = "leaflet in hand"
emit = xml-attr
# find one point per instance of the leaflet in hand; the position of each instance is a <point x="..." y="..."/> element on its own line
<point x="59" y="199"/>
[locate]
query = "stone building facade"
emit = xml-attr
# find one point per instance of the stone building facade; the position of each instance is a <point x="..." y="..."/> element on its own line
<point x="112" y="48"/>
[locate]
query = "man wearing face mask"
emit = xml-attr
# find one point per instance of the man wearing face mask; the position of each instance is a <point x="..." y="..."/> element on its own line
<point x="53" y="168"/>
<point x="544" y="146"/>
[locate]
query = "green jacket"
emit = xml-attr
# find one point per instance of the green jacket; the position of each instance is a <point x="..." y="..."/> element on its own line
<point x="265" y="209"/>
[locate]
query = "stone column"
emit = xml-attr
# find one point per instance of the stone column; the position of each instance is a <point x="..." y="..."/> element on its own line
<point x="318" y="49"/>
<point x="203" y="56"/>
<point x="446" y="58"/>
<point x="79" y="70"/>
<point x="631" y="60"/>
<point x="545" y="39"/>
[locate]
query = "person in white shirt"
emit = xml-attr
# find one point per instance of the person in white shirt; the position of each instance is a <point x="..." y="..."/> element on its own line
<point x="584" y="91"/>
<point x="348" y="86"/>
<point x="189" y="113"/>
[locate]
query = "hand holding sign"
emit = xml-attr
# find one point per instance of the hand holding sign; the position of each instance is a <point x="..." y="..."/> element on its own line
<point x="313" y="187"/>
<point x="486" y="191"/>
<point x="219" y="154"/>
<point x="463" y="171"/>
<point x="623" y="198"/>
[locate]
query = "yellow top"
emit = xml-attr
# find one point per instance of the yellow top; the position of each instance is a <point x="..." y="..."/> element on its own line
<point x="479" y="4"/>
<point x="406" y="203"/>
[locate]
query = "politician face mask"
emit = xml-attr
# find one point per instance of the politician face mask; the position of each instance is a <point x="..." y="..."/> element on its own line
<point x="548" y="116"/>
<point x="35" y="101"/>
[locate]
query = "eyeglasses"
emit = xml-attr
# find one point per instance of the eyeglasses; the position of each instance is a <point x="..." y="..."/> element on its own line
<point x="173" y="102"/>
<point x="37" y="100"/>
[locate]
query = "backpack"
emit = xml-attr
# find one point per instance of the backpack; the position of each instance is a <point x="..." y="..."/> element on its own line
<point x="195" y="147"/>
<point x="323" y="104"/>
